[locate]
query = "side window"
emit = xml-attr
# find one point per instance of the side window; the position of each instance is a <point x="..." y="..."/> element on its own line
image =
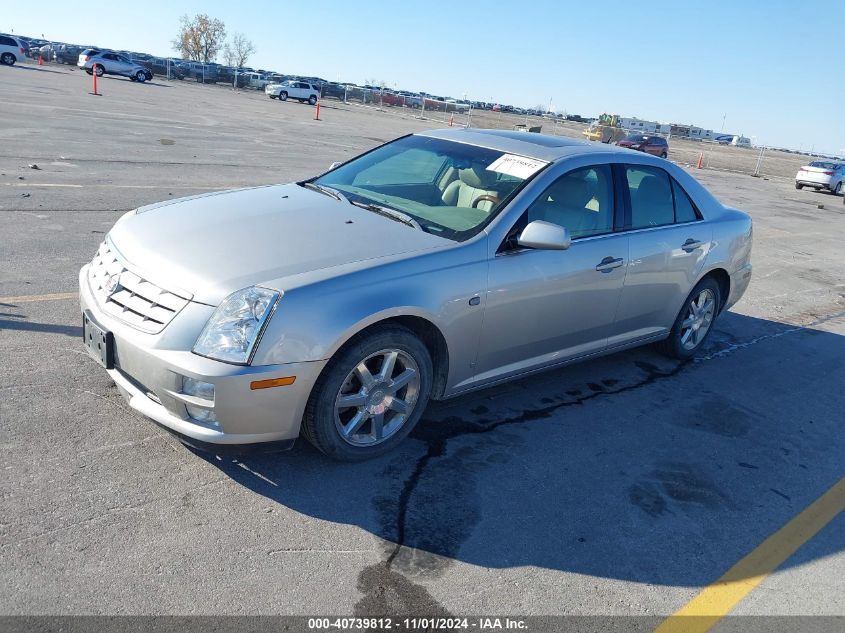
<point x="6" y="41"/>
<point x="581" y="201"/>
<point x="684" y="209"/>
<point x="651" y="196"/>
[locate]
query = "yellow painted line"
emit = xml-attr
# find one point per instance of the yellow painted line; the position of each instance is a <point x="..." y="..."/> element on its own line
<point x="59" y="296"/>
<point x="717" y="599"/>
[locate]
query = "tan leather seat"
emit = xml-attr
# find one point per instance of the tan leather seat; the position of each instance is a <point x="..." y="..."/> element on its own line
<point x="565" y="204"/>
<point x="472" y="182"/>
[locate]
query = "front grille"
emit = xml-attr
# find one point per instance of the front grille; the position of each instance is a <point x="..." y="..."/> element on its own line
<point x="128" y="296"/>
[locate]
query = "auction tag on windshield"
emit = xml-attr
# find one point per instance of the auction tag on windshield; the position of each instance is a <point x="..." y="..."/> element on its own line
<point x="517" y="166"/>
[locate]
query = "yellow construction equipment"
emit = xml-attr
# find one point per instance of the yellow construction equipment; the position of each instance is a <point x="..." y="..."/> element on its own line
<point x="606" y="130"/>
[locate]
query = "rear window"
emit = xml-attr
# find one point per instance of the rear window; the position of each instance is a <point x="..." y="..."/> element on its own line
<point x="823" y="164"/>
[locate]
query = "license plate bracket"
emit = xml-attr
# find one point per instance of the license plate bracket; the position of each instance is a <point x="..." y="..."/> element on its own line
<point x="98" y="340"/>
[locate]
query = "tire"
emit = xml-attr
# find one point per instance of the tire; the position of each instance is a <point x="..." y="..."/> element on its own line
<point x="799" y="185"/>
<point x="132" y="78"/>
<point x="99" y="70"/>
<point x="664" y="155"/>
<point x="272" y="96"/>
<point x="312" y="100"/>
<point x="283" y="96"/>
<point x="140" y="76"/>
<point x="679" y="343"/>
<point x="89" y="71"/>
<point x="837" y="189"/>
<point x="325" y="418"/>
<point x="7" y="59"/>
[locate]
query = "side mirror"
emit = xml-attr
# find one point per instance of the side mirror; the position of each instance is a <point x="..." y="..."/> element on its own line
<point x="335" y="164"/>
<point x="544" y="236"/>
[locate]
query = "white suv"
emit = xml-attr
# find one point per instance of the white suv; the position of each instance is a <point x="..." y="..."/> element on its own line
<point x="821" y="174"/>
<point x="11" y="50"/>
<point x="299" y="90"/>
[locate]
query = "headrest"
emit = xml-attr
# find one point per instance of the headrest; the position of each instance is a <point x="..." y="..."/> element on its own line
<point x="477" y="176"/>
<point x="571" y="192"/>
<point x="654" y="191"/>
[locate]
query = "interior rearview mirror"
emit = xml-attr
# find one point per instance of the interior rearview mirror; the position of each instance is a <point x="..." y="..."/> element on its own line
<point x="337" y="163"/>
<point x="544" y="236"/>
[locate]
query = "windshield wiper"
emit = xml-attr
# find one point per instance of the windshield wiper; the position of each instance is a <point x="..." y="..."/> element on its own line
<point x="327" y="191"/>
<point x="387" y="212"/>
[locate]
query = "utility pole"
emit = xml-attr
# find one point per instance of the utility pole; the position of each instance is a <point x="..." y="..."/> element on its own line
<point x="724" y="116"/>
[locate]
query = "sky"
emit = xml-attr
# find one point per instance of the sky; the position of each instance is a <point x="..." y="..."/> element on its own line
<point x="770" y="70"/>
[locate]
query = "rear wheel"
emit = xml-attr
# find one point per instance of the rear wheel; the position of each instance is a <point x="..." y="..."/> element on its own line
<point x="798" y="185"/>
<point x="99" y="70"/>
<point x="664" y="155"/>
<point x="370" y="395"/>
<point x="694" y="321"/>
<point x="837" y="189"/>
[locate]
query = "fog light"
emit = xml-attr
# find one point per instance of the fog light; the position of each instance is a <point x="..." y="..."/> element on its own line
<point x="198" y="389"/>
<point x="201" y="415"/>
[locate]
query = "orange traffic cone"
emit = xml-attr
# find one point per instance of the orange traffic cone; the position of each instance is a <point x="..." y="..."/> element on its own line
<point x="700" y="159"/>
<point x="451" y="120"/>
<point x="40" y="61"/>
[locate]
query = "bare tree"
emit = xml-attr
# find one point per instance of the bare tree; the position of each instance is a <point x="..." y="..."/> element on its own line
<point x="200" y="38"/>
<point x="237" y="51"/>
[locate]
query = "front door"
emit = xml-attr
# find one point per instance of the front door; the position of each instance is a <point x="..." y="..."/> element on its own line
<point x="546" y="306"/>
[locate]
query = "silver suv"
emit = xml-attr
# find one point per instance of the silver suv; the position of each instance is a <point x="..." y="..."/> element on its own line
<point x="111" y="63"/>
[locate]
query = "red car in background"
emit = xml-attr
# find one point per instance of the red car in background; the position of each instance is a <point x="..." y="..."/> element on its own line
<point x="654" y="145"/>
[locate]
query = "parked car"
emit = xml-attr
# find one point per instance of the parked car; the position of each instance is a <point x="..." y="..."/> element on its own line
<point x="436" y="264"/>
<point x="821" y="174"/>
<point x="67" y="54"/>
<point x="655" y="145"/>
<point x="110" y="63"/>
<point x="12" y="50"/>
<point x="299" y="90"/>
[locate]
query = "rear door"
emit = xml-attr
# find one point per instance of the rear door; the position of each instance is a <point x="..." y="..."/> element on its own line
<point x="669" y="243"/>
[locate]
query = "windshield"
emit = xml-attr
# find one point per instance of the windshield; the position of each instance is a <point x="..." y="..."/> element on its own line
<point x="451" y="189"/>
<point x="635" y="137"/>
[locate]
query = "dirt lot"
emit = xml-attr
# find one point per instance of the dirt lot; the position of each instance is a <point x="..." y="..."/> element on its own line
<point x="622" y="486"/>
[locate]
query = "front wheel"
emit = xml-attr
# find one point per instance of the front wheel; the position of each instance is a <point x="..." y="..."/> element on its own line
<point x="799" y="186"/>
<point x="664" y="155"/>
<point x="837" y="189"/>
<point x="370" y="395"/>
<point x="283" y="96"/>
<point x="140" y="76"/>
<point x="312" y="100"/>
<point x="7" y="59"/>
<point x="99" y="70"/>
<point x="694" y="321"/>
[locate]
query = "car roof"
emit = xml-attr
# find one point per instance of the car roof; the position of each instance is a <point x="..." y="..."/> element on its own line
<point x="530" y="144"/>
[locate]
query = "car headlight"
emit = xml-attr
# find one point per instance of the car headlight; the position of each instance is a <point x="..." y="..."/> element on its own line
<point x="232" y="331"/>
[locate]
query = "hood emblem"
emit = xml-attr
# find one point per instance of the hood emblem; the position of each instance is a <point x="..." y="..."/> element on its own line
<point x="112" y="284"/>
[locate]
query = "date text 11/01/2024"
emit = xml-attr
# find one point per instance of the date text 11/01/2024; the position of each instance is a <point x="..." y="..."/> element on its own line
<point x="415" y="624"/>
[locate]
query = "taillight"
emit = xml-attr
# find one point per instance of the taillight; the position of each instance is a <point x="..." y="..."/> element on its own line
<point x="23" y="51"/>
<point x="827" y="173"/>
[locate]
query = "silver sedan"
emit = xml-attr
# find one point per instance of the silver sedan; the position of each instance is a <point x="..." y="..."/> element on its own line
<point x="431" y="266"/>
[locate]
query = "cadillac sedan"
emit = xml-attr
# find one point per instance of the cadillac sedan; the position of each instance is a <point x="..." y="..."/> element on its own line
<point x="436" y="264"/>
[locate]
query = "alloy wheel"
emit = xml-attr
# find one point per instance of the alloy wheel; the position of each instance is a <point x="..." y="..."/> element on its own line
<point x="699" y="318"/>
<point x="377" y="397"/>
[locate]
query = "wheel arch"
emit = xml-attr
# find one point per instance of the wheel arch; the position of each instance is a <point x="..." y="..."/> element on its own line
<point x="424" y="328"/>
<point x="723" y="278"/>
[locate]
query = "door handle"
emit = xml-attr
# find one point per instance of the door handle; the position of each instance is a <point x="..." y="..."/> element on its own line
<point x="608" y="264"/>
<point x="690" y="245"/>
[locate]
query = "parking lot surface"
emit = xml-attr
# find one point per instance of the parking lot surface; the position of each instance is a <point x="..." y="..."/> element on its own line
<point x="620" y="486"/>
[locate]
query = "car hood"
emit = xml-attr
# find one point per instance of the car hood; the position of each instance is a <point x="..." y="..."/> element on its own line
<point x="214" y="244"/>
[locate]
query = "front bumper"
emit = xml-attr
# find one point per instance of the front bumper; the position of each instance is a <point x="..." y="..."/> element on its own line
<point x="149" y="370"/>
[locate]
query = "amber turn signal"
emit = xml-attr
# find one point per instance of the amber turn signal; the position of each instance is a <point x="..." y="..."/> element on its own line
<point x="272" y="382"/>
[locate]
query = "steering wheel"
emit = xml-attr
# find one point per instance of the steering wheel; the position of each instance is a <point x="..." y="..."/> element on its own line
<point x="485" y="198"/>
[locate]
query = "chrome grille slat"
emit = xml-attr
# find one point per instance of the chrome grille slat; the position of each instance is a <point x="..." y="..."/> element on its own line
<point x="138" y="301"/>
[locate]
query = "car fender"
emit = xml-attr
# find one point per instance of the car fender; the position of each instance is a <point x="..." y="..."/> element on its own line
<point x="445" y="288"/>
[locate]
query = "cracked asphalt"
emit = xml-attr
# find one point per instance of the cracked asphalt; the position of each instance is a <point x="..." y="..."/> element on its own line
<point x="619" y="486"/>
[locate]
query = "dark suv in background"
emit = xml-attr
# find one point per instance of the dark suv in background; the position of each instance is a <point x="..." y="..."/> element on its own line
<point x="654" y="145"/>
